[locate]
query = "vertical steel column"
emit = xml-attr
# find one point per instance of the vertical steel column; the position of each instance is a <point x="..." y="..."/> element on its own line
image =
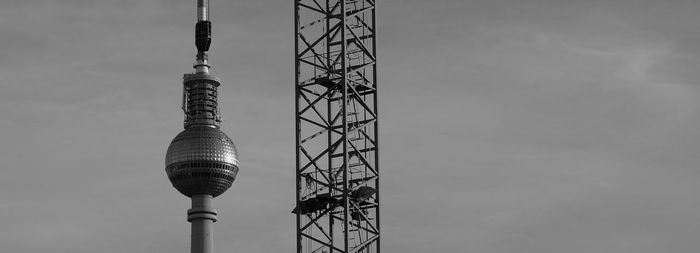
<point x="297" y="123"/>
<point x="344" y="136"/>
<point x="329" y="106"/>
<point x="376" y="122"/>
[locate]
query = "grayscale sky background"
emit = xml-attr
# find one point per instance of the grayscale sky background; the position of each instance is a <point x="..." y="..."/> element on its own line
<point x="507" y="126"/>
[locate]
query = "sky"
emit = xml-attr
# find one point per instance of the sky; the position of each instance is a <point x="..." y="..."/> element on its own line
<point x="529" y="126"/>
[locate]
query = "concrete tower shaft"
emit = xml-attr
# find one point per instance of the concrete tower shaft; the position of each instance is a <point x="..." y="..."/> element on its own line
<point x="202" y="216"/>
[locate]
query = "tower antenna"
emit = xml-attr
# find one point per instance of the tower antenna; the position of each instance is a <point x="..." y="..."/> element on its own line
<point x="202" y="36"/>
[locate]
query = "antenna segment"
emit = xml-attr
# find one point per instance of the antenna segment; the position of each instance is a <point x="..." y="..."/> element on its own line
<point x="202" y="36"/>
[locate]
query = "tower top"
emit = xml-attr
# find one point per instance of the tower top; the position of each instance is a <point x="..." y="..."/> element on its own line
<point x="202" y="159"/>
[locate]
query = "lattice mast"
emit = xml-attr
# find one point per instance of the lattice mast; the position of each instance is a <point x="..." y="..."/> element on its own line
<point x="337" y="146"/>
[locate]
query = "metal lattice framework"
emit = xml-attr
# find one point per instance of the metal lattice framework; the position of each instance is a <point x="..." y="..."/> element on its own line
<point x="337" y="149"/>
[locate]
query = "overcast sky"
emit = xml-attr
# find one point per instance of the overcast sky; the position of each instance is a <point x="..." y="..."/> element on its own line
<point x="507" y="126"/>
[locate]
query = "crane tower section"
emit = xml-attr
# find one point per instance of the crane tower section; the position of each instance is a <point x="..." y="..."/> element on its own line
<point x="337" y="146"/>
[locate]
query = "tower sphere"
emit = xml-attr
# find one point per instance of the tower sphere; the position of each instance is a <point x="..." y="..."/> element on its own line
<point x="201" y="160"/>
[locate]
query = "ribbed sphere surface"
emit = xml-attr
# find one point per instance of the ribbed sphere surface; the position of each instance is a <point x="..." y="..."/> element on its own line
<point x="201" y="160"/>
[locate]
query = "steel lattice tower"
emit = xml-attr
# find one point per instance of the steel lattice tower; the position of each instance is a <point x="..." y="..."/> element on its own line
<point x="337" y="146"/>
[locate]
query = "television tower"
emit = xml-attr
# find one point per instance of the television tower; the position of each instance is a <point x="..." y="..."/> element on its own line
<point x="337" y="145"/>
<point x="202" y="161"/>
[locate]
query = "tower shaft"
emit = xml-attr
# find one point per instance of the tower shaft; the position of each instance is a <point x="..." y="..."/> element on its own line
<point x="202" y="216"/>
<point x="337" y="146"/>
